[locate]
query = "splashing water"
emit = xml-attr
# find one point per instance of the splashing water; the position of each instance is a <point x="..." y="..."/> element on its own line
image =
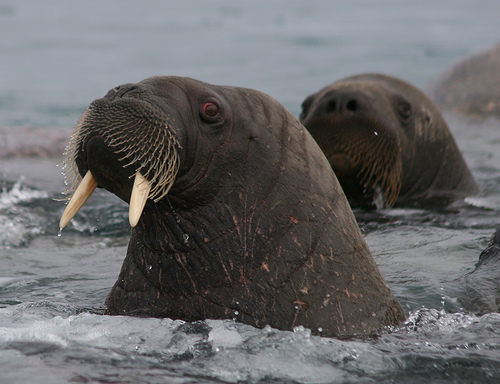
<point x="18" y="223"/>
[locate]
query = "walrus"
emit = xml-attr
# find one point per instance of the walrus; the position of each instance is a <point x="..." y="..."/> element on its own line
<point x="480" y="289"/>
<point x="387" y="143"/>
<point x="471" y="86"/>
<point x="236" y="212"/>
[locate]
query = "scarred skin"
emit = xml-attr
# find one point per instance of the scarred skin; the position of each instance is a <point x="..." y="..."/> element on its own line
<point x="387" y="141"/>
<point x="255" y="227"/>
<point x="471" y="86"/>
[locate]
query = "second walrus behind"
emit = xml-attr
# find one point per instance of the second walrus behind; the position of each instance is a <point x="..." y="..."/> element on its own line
<point x="387" y="142"/>
<point x="471" y="86"/>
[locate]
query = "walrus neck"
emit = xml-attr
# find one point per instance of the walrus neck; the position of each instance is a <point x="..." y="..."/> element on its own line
<point x="174" y="259"/>
<point x="164" y="228"/>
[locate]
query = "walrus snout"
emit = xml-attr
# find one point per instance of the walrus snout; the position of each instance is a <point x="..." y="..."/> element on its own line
<point x="122" y="122"/>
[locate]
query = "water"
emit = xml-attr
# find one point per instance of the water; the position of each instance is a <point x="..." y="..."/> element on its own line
<point x="57" y="56"/>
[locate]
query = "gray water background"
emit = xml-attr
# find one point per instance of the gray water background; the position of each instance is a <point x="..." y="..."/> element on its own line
<point x="57" y="56"/>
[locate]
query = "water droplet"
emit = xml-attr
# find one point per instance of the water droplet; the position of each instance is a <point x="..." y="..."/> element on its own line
<point x="320" y="329"/>
<point x="150" y="267"/>
<point x="443" y="301"/>
<point x="185" y="237"/>
<point x="376" y="133"/>
<point x="59" y="234"/>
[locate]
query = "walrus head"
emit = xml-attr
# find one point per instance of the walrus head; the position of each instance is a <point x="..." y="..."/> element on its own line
<point x="359" y="138"/>
<point x="236" y="211"/>
<point x="385" y="140"/>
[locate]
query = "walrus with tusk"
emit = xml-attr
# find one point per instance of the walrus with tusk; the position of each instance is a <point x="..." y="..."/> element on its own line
<point x="237" y="214"/>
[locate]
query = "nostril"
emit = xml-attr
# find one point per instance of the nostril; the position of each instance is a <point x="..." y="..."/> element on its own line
<point x="331" y="106"/>
<point x="121" y="91"/>
<point x="128" y="89"/>
<point x="352" y="105"/>
<point x="342" y="103"/>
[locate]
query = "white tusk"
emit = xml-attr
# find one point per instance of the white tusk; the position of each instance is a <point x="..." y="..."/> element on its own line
<point x="82" y="193"/>
<point x="140" y="193"/>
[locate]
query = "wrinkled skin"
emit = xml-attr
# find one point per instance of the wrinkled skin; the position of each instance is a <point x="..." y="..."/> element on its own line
<point x="471" y="86"/>
<point x="480" y="289"/>
<point x="255" y="227"/>
<point x="387" y="143"/>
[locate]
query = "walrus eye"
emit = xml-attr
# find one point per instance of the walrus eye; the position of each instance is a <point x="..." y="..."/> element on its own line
<point x="404" y="109"/>
<point x="210" y="110"/>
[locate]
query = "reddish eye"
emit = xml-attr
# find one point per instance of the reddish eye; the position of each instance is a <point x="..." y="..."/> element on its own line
<point x="210" y="109"/>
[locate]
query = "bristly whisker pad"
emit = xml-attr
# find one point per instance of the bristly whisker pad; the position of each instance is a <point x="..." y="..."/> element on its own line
<point x="137" y="131"/>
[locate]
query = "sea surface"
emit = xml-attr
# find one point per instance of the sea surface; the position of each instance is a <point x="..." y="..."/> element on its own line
<point x="57" y="56"/>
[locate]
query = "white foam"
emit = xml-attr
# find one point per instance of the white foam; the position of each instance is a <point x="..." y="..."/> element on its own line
<point x="233" y="352"/>
<point x="19" y="194"/>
